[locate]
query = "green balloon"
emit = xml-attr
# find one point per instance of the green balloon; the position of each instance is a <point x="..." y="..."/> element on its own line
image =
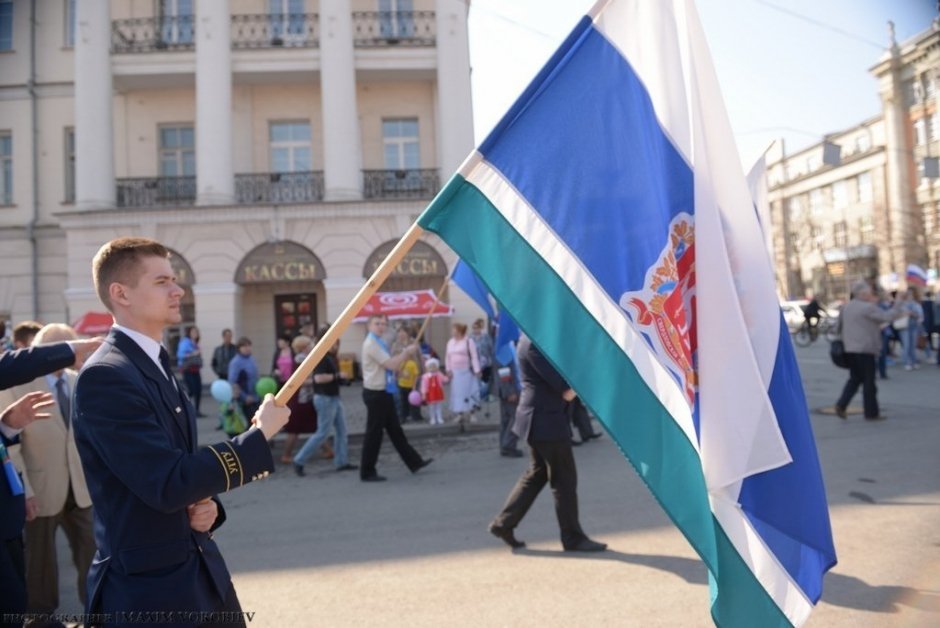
<point x="266" y="385"/>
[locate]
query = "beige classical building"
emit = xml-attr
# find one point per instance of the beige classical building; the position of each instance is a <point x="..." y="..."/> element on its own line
<point x="278" y="147"/>
<point x="863" y="203"/>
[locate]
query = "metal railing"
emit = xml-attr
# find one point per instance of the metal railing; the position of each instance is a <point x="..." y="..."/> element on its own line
<point x="291" y="30"/>
<point x="153" y="34"/>
<point x="156" y="191"/>
<point x="372" y="29"/>
<point x="279" y="187"/>
<point x="397" y="184"/>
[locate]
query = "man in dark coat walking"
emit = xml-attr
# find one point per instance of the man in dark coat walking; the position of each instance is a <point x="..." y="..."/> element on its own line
<point x="542" y="419"/>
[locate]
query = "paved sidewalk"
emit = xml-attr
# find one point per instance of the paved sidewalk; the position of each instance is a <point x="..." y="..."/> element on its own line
<point x="328" y="550"/>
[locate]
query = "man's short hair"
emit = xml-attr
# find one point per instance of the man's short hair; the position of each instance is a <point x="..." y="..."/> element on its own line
<point x="226" y="331"/>
<point x="244" y="341"/>
<point x="373" y="317"/>
<point x="54" y="332"/>
<point x="119" y="261"/>
<point x="859" y="288"/>
<point x="25" y="331"/>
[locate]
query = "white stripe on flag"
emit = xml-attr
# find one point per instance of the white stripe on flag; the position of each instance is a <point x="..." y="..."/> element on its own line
<point x="781" y="588"/>
<point x="541" y="237"/>
<point x="737" y="311"/>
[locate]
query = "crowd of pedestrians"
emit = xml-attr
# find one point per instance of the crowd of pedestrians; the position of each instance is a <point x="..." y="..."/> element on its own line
<point x="111" y="456"/>
<point x="880" y="329"/>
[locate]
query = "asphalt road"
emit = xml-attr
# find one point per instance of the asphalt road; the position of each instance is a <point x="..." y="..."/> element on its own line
<point x="328" y="550"/>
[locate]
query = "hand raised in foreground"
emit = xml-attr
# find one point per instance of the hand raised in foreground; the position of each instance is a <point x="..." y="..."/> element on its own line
<point x="202" y="515"/>
<point x="26" y="409"/>
<point x="270" y="418"/>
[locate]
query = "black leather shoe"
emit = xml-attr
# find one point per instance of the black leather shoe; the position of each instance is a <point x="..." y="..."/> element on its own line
<point x="840" y="412"/>
<point x="374" y="478"/>
<point x="299" y="470"/>
<point x="347" y="467"/>
<point x="586" y="545"/>
<point x="423" y="464"/>
<point x="595" y="435"/>
<point x="511" y="453"/>
<point x="506" y="536"/>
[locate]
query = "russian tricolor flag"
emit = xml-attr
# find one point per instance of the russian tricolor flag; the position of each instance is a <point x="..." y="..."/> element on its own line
<point x="916" y="276"/>
<point x="608" y="215"/>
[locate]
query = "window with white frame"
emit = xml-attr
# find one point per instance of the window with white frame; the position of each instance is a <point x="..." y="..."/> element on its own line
<point x="70" y="23"/>
<point x="864" y="187"/>
<point x="177" y="151"/>
<point x="176" y="21"/>
<point x="920" y="132"/>
<point x="866" y="229"/>
<point x="286" y="18"/>
<point x="6" y="168"/>
<point x="816" y="233"/>
<point x="934" y="126"/>
<point x="812" y="163"/>
<point x="400" y="144"/>
<point x="862" y="142"/>
<point x="69" y="165"/>
<point x="396" y="19"/>
<point x="6" y="24"/>
<point x="840" y="234"/>
<point x="796" y="208"/>
<point x="290" y="144"/>
<point x="816" y="201"/>
<point x="840" y="194"/>
<point x="930" y="88"/>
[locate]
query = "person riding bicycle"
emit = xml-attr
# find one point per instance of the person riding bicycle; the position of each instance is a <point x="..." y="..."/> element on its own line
<point x="811" y="312"/>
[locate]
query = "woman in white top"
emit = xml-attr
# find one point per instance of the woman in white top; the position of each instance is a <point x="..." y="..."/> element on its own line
<point x="463" y="366"/>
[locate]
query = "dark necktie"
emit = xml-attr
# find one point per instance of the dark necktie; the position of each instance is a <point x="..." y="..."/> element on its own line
<point x="62" y="398"/>
<point x="165" y="363"/>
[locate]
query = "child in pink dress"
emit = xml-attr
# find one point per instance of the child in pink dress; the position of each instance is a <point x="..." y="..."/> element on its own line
<point x="432" y="390"/>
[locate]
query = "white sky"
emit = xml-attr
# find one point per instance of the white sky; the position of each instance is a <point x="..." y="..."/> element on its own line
<point x="787" y="76"/>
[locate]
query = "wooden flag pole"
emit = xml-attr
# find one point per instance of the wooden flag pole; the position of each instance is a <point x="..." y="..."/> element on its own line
<point x="437" y="299"/>
<point x="345" y="318"/>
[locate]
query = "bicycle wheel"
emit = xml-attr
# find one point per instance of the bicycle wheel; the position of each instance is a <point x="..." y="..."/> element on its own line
<point x="802" y="337"/>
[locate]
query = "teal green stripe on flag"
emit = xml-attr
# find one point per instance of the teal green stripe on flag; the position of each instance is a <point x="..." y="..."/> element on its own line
<point x="549" y="312"/>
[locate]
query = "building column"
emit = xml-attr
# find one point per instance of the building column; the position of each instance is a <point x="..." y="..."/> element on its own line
<point x="905" y="232"/>
<point x="94" y="136"/>
<point x="215" y="178"/>
<point x="217" y="308"/>
<point x="454" y="110"/>
<point x="342" y="147"/>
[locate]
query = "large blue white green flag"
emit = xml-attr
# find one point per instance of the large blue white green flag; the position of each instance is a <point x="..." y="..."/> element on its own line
<point x="607" y="213"/>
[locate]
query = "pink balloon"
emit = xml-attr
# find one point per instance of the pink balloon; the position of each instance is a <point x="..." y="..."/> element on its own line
<point x="414" y="398"/>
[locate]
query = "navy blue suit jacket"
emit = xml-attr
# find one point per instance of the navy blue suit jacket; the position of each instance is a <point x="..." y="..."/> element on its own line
<point x="542" y="415"/>
<point x="135" y="433"/>
<point x="20" y="367"/>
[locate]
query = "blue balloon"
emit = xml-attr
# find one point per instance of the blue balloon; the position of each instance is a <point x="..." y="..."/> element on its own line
<point x="221" y="391"/>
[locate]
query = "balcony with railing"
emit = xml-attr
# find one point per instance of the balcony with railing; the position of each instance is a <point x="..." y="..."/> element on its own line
<point x="291" y="30"/>
<point x="371" y="29"/>
<point x="156" y="191"/>
<point x="376" y="29"/>
<point x="153" y="34"/>
<point x="279" y="187"/>
<point x="400" y="184"/>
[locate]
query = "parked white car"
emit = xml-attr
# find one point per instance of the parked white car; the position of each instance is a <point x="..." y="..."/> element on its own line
<point x="793" y="313"/>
